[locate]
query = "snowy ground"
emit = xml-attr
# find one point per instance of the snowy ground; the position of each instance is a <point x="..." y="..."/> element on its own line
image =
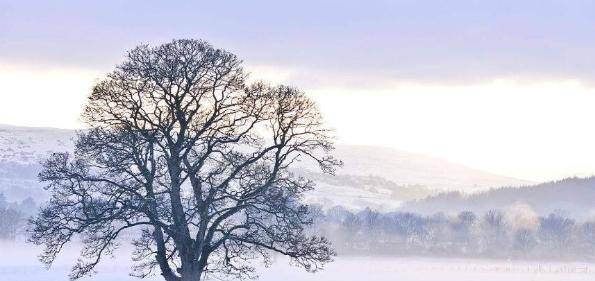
<point x="18" y="263"/>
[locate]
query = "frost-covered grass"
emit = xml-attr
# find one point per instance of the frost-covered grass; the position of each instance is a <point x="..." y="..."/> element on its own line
<point x="18" y="263"/>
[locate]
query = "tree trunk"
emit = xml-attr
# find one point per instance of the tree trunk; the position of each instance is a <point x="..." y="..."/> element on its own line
<point x="191" y="275"/>
<point x="190" y="271"/>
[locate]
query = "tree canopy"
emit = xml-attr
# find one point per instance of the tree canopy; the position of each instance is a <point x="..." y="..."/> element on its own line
<point x="191" y="160"/>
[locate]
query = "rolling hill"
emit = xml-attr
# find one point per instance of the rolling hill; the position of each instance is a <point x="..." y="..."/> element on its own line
<point x="375" y="177"/>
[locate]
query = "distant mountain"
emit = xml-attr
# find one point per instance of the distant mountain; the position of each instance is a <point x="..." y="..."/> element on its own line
<point x="372" y="176"/>
<point x="359" y="192"/>
<point x="21" y="150"/>
<point x="405" y="168"/>
<point x="384" y="178"/>
<point x="574" y="197"/>
<point x="28" y="145"/>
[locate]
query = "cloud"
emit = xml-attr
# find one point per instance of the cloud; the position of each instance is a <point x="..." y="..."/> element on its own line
<point x="39" y="96"/>
<point x="434" y="68"/>
<point x="340" y="42"/>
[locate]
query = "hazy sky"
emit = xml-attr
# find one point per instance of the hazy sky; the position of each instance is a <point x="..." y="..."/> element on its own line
<point x="502" y="86"/>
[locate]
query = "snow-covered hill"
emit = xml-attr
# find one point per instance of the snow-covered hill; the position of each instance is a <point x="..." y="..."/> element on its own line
<point x="28" y="145"/>
<point x="383" y="178"/>
<point x="372" y="176"/>
<point x="407" y="168"/>
<point x="21" y="150"/>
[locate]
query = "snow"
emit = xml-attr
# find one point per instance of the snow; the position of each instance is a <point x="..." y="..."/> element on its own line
<point x="27" y="145"/>
<point x="18" y="263"/>
<point x="353" y="198"/>
<point x="406" y="168"/>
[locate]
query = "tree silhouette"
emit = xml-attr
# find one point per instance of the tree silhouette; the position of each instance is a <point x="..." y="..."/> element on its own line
<point x="182" y="153"/>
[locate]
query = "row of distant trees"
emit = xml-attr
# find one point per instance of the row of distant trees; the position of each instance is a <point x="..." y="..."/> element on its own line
<point x="516" y="233"/>
<point x="496" y="234"/>
<point x="13" y="216"/>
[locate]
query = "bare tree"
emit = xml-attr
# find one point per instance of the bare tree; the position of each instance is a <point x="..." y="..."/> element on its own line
<point x="180" y="148"/>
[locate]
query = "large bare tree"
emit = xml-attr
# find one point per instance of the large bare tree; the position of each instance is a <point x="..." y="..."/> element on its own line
<point x="192" y="162"/>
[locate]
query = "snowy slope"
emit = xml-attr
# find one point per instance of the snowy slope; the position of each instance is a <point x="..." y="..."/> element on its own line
<point x="21" y="150"/>
<point x="372" y="176"/>
<point x="25" y="145"/>
<point x="407" y="168"/>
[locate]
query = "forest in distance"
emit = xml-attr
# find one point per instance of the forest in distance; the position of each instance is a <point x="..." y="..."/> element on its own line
<point x="514" y="233"/>
<point x="517" y="232"/>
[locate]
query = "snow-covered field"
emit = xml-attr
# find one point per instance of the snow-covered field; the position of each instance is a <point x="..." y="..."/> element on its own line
<point x="18" y="263"/>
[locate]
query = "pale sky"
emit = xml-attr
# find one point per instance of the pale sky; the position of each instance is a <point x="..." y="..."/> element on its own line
<point x="502" y="86"/>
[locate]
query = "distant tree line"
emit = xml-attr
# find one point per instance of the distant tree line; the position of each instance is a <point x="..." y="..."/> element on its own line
<point x="13" y="216"/>
<point x="509" y="233"/>
<point x="516" y="233"/>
